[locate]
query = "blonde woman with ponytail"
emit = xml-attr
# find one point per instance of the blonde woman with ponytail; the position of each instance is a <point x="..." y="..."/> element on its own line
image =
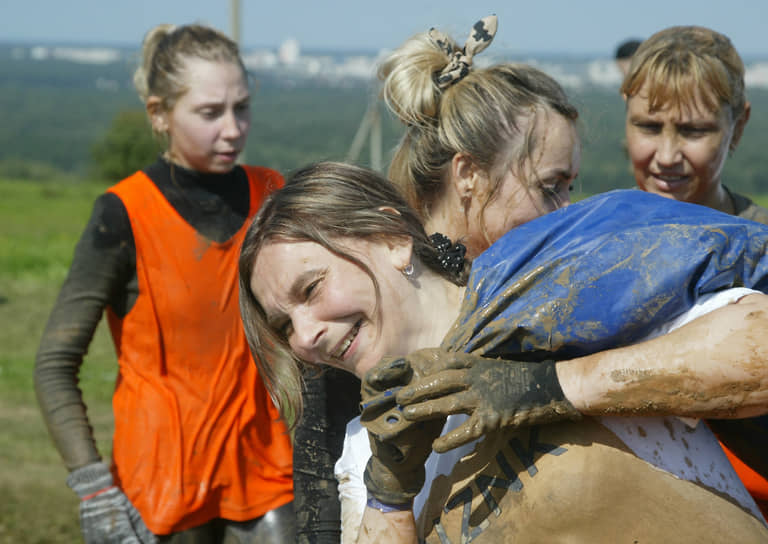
<point x="485" y="149"/>
<point x="199" y="453"/>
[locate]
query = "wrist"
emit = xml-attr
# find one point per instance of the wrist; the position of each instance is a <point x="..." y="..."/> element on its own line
<point x="90" y="480"/>
<point x="546" y="376"/>
<point x="96" y="493"/>
<point x="386" y="508"/>
<point x="390" y="487"/>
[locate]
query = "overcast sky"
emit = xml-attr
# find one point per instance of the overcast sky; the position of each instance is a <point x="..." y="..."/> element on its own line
<point x="536" y="26"/>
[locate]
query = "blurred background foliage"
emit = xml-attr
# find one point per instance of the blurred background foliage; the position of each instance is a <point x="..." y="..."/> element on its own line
<point x="72" y="121"/>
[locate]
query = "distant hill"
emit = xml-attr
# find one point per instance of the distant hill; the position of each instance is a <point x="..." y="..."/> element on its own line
<point x="58" y="102"/>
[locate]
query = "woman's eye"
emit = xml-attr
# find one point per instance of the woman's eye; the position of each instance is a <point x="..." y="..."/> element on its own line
<point x="694" y="132"/>
<point x="308" y="289"/>
<point x="549" y="190"/>
<point x="556" y="188"/>
<point x="648" y="127"/>
<point x="312" y="287"/>
<point x="209" y="114"/>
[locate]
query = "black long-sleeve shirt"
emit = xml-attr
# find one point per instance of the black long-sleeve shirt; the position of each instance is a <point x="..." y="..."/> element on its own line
<point x="330" y="401"/>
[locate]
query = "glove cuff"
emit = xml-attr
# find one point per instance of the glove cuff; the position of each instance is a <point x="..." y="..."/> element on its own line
<point x="87" y="480"/>
<point x="391" y="488"/>
<point x="545" y="374"/>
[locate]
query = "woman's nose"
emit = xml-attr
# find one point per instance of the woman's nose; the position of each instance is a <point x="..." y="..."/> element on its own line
<point x="231" y="127"/>
<point x="668" y="152"/>
<point x="307" y="335"/>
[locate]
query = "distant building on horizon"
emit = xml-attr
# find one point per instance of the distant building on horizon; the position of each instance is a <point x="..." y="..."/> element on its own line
<point x="347" y="68"/>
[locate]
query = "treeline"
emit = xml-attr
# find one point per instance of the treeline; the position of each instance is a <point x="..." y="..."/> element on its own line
<point x="61" y="118"/>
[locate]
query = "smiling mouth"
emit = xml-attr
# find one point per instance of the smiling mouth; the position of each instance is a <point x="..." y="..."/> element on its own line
<point x="669" y="182"/>
<point x="341" y="350"/>
<point x="670" y="178"/>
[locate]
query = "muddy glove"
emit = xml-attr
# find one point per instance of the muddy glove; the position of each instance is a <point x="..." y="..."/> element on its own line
<point x="106" y="514"/>
<point x="495" y="393"/>
<point x="395" y="472"/>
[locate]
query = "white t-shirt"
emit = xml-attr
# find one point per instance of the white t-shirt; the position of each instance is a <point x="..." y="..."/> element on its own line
<point x="700" y="459"/>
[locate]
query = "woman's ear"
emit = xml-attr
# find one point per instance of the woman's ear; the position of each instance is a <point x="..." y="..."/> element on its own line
<point x="469" y="182"/>
<point x="400" y="247"/>
<point x="463" y="176"/>
<point x="400" y="251"/>
<point x="157" y="115"/>
<point x="738" y="127"/>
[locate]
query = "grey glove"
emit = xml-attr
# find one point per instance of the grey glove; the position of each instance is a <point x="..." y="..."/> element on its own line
<point x="395" y="472"/>
<point x="106" y="514"/>
<point x="495" y="393"/>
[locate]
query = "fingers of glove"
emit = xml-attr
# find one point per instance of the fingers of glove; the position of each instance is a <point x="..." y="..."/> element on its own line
<point x="464" y="360"/>
<point x="389" y="373"/>
<point x="457" y="437"/>
<point x="475" y="427"/>
<point x="435" y="385"/>
<point x="392" y="425"/>
<point x="386" y="374"/>
<point x="373" y="405"/>
<point x="462" y="402"/>
<point x="143" y="533"/>
<point x="429" y="361"/>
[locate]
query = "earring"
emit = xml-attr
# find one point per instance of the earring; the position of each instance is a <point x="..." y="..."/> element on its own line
<point x="408" y="270"/>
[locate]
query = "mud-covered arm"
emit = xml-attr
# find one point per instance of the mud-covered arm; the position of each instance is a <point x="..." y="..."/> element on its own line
<point x="716" y="366"/>
<point x="494" y="393"/>
<point x="330" y="401"/>
<point x="104" y="260"/>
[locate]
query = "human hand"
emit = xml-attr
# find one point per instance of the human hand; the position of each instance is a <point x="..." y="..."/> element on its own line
<point x="495" y="393"/>
<point x="395" y="472"/>
<point x="380" y="385"/>
<point x="106" y="514"/>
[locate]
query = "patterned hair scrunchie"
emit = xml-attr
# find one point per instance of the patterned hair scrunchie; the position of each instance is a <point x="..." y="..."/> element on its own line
<point x="450" y="256"/>
<point x="479" y="38"/>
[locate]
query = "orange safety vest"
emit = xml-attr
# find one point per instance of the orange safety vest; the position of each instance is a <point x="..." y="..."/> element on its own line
<point x="196" y="434"/>
<point x="756" y="484"/>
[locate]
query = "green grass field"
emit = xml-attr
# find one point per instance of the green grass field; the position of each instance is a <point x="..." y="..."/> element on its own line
<point x="39" y="226"/>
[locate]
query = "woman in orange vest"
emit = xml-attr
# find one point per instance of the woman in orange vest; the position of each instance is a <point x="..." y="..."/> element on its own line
<point x="200" y="453"/>
<point x="686" y="111"/>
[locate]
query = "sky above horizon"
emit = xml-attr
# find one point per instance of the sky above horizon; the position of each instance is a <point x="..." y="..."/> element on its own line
<point x="540" y="26"/>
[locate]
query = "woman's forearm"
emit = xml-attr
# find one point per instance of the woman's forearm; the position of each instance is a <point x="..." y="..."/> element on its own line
<point x="389" y="528"/>
<point x="716" y="366"/>
<point x="102" y="261"/>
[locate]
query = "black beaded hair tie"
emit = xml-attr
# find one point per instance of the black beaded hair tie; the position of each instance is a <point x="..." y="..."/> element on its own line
<point x="450" y="256"/>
